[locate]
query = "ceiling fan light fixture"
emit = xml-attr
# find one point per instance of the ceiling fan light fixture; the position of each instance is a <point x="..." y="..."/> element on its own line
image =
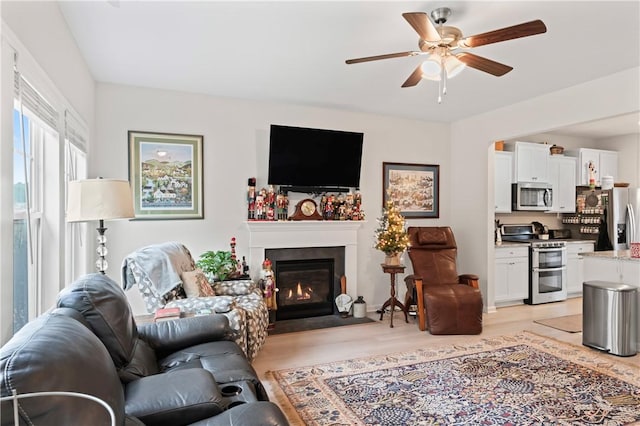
<point x="431" y="68"/>
<point x="454" y="66"/>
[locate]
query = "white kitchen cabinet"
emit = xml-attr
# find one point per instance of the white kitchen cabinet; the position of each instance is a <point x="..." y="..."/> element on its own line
<point x="605" y="164"/>
<point x="562" y="177"/>
<point x="612" y="270"/>
<point x="575" y="266"/>
<point x="503" y="177"/>
<point x="608" y="164"/>
<point x="511" y="274"/>
<point x="530" y="161"/>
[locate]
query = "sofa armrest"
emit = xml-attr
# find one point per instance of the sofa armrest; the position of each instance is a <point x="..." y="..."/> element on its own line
<point x="176" y="398"/>
<point x="260" y="413"/>
<point x="173" y="335"/>
<point x="469" y="279"/>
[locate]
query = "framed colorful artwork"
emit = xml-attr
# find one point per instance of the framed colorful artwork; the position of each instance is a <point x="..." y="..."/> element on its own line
<point x="165" y="172"/>
<point x="414" y="188"/>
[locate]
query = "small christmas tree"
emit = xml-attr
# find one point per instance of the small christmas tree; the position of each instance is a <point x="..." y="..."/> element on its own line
<point x="391" y="237"/>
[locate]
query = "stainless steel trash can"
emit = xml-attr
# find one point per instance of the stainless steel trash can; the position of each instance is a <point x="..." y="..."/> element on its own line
<point x="609" y="317"/>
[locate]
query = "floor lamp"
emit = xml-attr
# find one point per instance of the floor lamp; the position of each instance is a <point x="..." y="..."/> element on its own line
<point x="99" y="199"/>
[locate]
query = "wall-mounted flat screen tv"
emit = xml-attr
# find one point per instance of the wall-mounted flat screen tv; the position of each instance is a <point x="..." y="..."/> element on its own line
<point x="317" y="158"/>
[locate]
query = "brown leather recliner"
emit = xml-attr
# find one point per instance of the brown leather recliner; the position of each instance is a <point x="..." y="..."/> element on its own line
<point x="447" y="303"/>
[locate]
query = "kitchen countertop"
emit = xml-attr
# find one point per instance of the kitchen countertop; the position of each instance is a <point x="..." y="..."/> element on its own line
<point x="566" y="240"/>
<point x="613" y="254"/>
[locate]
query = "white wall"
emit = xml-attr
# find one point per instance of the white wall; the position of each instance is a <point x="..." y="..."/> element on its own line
<point x="472" y="141"/>
<point x="629" y="163"/>
<point x="40" y="27"/>
<point x="236" y="140"/>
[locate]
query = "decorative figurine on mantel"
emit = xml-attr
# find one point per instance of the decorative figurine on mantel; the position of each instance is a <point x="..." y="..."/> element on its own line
<point x="391" y="237"/>
<point x="282" y="206"/>
<point x="251" y="199"/>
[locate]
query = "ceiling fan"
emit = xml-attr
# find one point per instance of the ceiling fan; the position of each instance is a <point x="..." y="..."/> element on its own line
<point x="445" y="46"/>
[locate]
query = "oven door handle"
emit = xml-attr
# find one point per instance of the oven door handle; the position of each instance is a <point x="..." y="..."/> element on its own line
<point x="562" y="268"/>
<point x="548" y="250"/>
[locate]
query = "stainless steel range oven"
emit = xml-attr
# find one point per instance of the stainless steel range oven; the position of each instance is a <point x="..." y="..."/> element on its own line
<point x="548" y="272"/>
<point x="547" y="264"/>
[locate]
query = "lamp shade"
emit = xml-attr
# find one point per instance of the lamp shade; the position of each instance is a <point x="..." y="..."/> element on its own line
<point x="99" y="199"/>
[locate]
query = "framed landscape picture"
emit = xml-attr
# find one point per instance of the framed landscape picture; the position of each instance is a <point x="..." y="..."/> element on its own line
<point x="414" y="188"/>
<point x="165" y="172"/>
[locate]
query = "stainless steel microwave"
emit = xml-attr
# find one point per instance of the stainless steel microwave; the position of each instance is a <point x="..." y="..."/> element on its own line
<point x="531" y="196"/>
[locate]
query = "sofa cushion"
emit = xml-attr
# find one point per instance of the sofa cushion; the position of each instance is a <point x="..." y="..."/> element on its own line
<point x="106" y="309"/>
<point x="195" y="284"/>
<point x="176" y="398"/>
<point x="54" y="352"/>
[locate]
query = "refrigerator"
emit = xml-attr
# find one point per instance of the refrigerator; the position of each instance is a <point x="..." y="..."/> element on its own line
<point x="621" y="206"/>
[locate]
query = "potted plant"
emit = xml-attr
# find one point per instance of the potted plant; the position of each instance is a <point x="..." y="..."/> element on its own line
<point x="217" y="265"/>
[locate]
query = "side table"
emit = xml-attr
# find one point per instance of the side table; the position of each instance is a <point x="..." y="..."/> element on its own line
<point x="392" y="302"/>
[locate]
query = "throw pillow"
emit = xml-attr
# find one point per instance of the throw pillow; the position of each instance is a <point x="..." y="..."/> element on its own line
<point x="196" y="285"/>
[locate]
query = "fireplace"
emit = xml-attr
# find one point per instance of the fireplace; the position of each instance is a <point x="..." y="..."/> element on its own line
<point x="267" y="237"/>
<point x="308" y="280"/>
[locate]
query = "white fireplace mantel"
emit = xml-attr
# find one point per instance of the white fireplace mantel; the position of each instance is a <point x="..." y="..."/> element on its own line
<point x="296" y="234"/>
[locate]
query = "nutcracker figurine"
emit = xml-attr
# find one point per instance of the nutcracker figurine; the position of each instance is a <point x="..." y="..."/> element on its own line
<point x="269" y="289"/>
<point x="251" y="199"/>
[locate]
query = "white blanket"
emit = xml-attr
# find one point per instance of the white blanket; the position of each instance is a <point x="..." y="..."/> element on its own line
<point x="161" y="263"/>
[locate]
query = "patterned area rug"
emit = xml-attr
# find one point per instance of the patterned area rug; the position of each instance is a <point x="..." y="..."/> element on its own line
<point x="523" y="379"/>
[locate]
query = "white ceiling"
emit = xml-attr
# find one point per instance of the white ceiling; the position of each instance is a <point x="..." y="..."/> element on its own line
<point x="295" y="51"/>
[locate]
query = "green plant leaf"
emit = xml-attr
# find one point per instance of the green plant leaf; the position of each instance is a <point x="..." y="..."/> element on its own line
<point x="216" y="264"/>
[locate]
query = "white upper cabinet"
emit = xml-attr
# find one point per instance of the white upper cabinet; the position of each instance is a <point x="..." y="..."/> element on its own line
<point x="608" y="164"/>
<point x="503" y="177"/>
<point x="604" y="162"/>
<point x="562" y="176"/>
<point x="530" y="161"/>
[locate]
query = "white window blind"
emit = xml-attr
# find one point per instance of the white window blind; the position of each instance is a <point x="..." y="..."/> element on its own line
<point x="30" y="98"/>
<point x="75" y="131"/>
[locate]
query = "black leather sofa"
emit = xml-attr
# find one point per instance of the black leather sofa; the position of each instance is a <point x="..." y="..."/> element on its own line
<point x="179" y="372"/>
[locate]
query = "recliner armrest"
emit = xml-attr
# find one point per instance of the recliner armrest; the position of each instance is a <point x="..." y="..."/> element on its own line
<point x="173" y="335"/>
<point x="409" y="279"/>
<point x="469" y="279"/>
<point x="260" y="413"/>
<point x="176" y="398"/>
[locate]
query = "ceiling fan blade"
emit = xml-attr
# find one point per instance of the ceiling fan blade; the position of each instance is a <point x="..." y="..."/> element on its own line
<point x="422" y="25"/>
<point x="503" y="34"/>
<point x="414" y="78"/>
<point x="484" y="64"/>
<point x="377" y="57"/>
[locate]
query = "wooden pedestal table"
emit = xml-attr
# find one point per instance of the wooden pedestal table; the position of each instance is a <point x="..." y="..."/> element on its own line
<point x="392" y="302"/>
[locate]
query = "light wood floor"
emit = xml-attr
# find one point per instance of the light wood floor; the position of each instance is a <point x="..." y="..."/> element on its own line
<point x="339" y="343"/>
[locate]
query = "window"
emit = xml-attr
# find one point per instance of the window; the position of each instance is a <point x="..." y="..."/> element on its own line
<point x="29" y="137"/>
<point x="77" y="232"/>
<point x="35" y="216"/>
